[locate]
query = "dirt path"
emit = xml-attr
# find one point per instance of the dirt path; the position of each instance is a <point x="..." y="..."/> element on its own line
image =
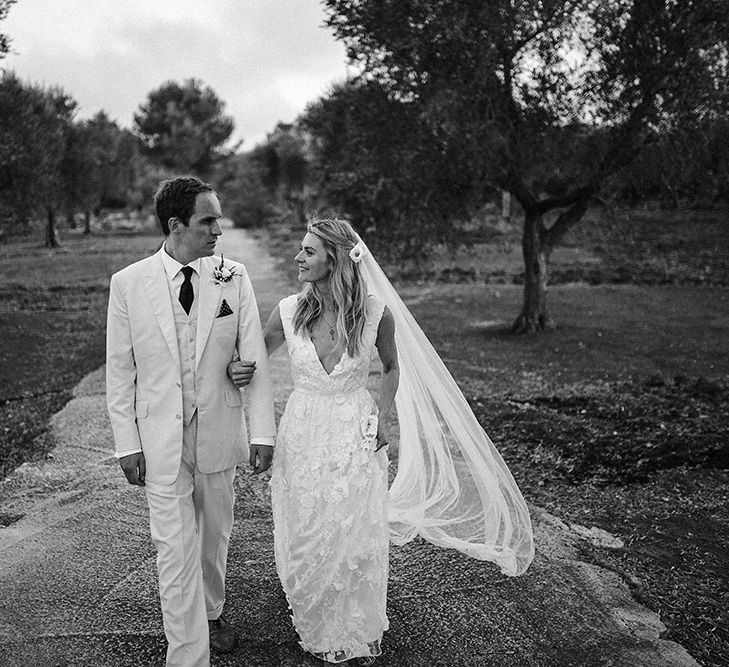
<point x="78" y="585"/>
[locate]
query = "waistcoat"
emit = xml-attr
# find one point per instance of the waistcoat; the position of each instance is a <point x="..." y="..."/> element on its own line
<point x="186" y="328"/>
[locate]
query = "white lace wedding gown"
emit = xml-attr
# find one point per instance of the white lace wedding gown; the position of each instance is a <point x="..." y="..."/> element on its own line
<point x="329" y="495"/>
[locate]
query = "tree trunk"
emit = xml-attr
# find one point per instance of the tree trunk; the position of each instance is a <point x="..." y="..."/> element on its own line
<point x="87" y="222"/>
<point x="51" y="233"/>
<point x="534" y="315"/>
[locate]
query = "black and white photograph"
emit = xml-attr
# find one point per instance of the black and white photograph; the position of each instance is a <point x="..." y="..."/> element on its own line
<point x="364" y="332"/>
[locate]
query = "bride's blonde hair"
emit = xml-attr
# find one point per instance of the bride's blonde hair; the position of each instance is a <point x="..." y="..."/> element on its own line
<point x="346" y="285"/>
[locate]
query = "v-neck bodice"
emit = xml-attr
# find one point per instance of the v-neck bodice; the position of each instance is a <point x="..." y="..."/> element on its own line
<point x="321" y="363"/>
<point x="308" y="372"/>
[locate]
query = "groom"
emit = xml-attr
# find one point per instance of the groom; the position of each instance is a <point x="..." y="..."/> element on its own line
<point x="175" y="321"/>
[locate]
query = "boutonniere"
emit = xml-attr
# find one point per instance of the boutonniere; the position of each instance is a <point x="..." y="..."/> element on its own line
<point x="222" y="274"/>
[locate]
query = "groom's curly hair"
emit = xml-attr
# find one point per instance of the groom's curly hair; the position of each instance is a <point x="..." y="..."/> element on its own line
<point x="175" y="198"/>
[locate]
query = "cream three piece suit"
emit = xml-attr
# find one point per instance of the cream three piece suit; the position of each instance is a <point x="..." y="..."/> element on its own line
<point x="169" y="395"/>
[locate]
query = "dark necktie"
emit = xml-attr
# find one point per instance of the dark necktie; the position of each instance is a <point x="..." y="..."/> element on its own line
<point x="186" y="293"/>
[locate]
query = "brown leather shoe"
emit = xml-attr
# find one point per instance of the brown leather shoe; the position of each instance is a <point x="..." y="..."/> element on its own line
<point x="222" y="635"/>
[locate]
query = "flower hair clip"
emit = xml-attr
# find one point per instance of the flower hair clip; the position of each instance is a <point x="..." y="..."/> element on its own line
<point x="358" y="252"/>
<point x="222" y="274"/>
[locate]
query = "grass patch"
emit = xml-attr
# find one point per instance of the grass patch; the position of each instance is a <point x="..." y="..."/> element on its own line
<point x="52" y="324"/>
<point x="615" y="433"/>
<point x="657" y="247"/>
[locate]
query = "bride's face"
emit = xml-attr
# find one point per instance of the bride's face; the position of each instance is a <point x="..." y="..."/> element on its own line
<point x="312" y="260"/>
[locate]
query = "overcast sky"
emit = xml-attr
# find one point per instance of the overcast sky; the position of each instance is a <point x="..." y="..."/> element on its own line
<point x="264" y="58"/>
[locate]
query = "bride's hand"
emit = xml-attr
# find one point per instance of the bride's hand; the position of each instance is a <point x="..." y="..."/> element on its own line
<point x="383" y="436"/>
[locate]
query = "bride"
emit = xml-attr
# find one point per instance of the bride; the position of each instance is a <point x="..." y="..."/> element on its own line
<point x="333" y="514"/>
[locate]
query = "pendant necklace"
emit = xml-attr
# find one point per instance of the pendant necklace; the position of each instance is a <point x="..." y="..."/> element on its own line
<point x="332" y="328"/>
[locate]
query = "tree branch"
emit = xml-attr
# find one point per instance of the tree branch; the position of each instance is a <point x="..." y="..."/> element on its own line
<point x="567" y="219"/>
<point x="571" y="198"/>
<point x="516" y="185"/>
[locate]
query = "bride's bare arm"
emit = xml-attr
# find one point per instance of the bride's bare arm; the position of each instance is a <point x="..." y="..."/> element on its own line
<point x="273" y="332"/>
<point x="241" y="371"/>
<point x="390" y="379"/>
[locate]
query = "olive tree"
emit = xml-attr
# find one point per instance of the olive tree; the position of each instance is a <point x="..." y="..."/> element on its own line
<point x="546" y="98"/>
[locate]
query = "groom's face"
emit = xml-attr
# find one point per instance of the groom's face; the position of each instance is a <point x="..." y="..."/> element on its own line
<point x="198" y="237"/>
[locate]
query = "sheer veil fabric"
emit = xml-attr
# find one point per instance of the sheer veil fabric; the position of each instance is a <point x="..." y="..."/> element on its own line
<point x="452" y="487"/>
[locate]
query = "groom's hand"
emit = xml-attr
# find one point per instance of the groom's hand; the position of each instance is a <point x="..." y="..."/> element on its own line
<point x="263" y="454"/>
<point x="241" y="372"/>
<point x="134" y="467"/>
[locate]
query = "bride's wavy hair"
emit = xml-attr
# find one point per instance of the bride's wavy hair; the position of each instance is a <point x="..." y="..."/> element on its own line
<point x="347" y="287"/>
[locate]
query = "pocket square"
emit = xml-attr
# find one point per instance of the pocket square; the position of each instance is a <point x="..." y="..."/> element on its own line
<point x="225" y="309"/>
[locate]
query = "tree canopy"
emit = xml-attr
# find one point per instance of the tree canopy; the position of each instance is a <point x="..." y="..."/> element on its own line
<point x="377" y="162"/>
<point x="544" y="98"/>
<point x="101" y="164"/>
<point x="34" y="129"/>
<point x="52" y="162"/>
<point x="528" y="84"/>
<point x="5" y="39"/>
<point x="183" y="126"/>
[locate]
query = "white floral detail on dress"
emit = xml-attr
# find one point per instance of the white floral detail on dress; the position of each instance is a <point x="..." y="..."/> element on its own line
<point x="369" y="432"/>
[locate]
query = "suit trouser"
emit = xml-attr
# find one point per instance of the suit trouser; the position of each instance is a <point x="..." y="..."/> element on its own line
<point x="191" y="521"/>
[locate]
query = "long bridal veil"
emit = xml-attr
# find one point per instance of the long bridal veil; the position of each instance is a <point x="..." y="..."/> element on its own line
<point x="452" y="487"/>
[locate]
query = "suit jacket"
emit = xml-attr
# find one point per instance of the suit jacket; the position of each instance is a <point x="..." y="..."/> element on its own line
<point x="143" y="378"/>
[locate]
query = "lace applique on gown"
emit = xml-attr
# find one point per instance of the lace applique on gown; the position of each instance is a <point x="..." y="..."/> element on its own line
<point x="329" y="496"/>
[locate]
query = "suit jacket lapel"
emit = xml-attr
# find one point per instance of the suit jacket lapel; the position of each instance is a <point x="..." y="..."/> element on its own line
<point x="158" y="292"/>
<point x="210" y="294"/>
